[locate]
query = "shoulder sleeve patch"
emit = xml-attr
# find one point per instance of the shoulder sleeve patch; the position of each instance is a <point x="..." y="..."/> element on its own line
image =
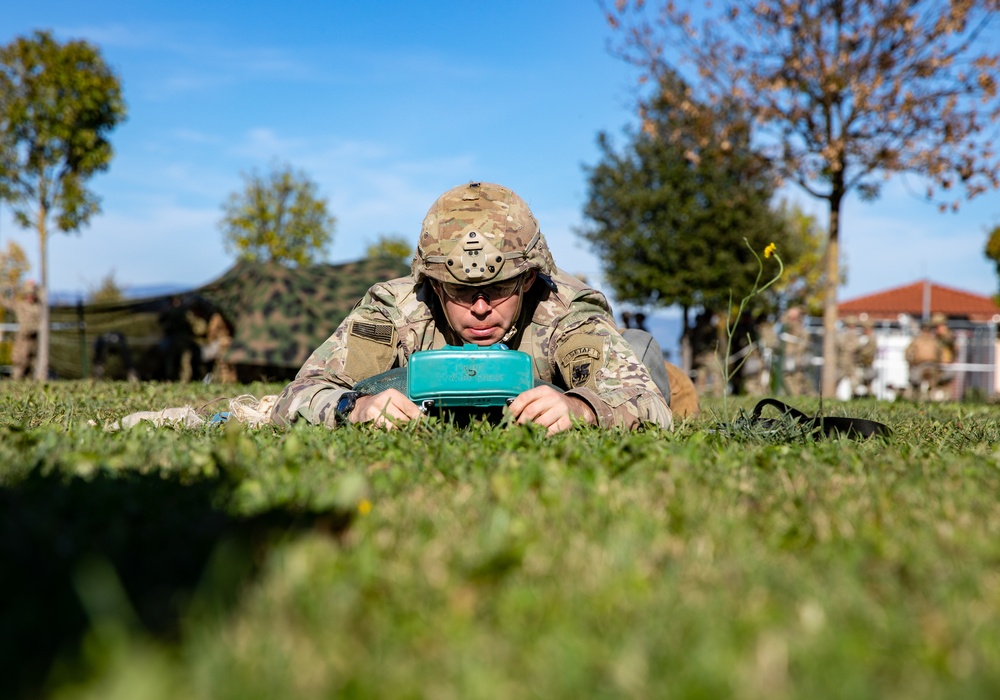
<point x="371" y="348"/>
<point x="580" y="356"/>
<point x="376" y="331"/>
<point x="579" y="348"/>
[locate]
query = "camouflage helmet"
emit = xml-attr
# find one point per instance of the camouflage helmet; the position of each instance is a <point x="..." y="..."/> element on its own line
<point x="477" y="234"/>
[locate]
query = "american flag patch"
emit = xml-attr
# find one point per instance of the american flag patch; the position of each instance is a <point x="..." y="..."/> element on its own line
<point x="378" y="332"/>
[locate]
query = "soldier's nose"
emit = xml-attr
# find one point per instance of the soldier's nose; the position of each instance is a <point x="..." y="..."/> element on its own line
<point x="481" y="305"/>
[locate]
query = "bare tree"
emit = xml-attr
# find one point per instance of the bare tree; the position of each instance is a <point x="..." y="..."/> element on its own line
<point x="844" y="93"/>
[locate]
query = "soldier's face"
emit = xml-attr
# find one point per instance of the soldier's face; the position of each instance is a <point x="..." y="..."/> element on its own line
<point x="485" y="320"/>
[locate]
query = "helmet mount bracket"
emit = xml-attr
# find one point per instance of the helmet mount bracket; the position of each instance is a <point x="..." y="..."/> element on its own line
<point x="474" y="259"/>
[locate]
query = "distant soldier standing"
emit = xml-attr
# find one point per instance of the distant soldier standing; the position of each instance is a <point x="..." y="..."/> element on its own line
<point x="848" y="343"/>
<point x="867" y="351"/>
<point x="945" y="338"/>
<point x="219" y="338"/>
<point x="705" y="343"/>
<point x="767" y="349"/>
<point x="924" y="355"/>
<point x="180" y="351"/>
<point x="946" y="342"/>
<point x="795" y="339"/>
<point x="29" y="313"/>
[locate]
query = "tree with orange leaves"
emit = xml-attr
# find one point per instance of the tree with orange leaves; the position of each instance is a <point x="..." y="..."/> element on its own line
<point x="843" y="93"/>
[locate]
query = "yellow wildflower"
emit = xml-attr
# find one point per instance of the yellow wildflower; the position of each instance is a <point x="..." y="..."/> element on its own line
<point x="770" y="249"/>
<point x="365" y="506"/>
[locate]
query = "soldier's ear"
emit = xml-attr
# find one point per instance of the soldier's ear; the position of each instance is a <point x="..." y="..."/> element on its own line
<point x="530" y="277"/>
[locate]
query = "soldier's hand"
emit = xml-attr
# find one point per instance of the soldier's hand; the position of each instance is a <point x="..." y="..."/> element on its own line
<point x="385" y="409"/>
<point x="552" y="409"/>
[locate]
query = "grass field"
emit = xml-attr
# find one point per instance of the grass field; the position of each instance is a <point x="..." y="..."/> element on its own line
<point x="717" y="561"/>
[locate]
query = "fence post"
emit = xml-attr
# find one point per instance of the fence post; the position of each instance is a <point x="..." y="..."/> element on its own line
<point x="82" y="327"/>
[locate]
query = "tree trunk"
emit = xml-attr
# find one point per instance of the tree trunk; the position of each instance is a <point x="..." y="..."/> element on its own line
<point x="828" y="384"/>
<point x="42" y="358"/>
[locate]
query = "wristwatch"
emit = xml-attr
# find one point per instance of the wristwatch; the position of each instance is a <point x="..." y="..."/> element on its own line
<point x="346" y="404"/>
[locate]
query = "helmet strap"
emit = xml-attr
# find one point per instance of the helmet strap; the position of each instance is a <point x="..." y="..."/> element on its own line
<point x="517" y="316"/>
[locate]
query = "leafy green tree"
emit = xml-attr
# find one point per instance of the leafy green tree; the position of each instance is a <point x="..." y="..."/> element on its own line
<point x="13" y="266"/>
<point x="846" y="93"/>
<point x="277" y="217"/>
<point x="58" y="103"/>
<point x="108" y="291"/>
<point x="669" y="214"/>
<point x="390" y="246"/>
<point x="993" y="248"/>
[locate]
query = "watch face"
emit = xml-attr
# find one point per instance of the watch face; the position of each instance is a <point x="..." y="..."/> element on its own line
<point x="346" y="403"/>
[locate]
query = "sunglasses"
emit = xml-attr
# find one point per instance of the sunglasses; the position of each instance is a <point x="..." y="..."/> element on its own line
<point x="464" y="295"/>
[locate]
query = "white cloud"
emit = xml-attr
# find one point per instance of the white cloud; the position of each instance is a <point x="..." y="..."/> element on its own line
<point x="195" y="136"/>
<point x="114" y="35"/>
<point x="264" y="144"/>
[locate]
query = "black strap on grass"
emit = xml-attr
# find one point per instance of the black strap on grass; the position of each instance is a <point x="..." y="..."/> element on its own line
<point x="829" y="426"/>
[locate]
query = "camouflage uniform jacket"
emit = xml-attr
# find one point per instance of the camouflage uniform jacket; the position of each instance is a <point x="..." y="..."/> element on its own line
<point x="571" y="336"/>
<point x="924" y="348"/>
<point x="28" y="311"/>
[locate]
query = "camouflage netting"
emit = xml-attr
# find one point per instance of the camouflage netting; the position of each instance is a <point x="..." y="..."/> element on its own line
<point x="278" y="316"/>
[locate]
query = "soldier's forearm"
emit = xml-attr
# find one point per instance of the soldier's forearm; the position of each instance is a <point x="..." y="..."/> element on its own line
<point x="627" y="408"/>
<point x="310" y="399"/>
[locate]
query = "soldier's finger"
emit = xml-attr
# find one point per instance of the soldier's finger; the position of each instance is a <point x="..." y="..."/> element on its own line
<point x="370" y="409"/>
<point x="564" y="423"/>
<point x="397" y="409"/>
<point x="530" y="396"/>
<point x="545" y="411"/>
<point x="527" y="411"/>
<point x="409" y="409"/>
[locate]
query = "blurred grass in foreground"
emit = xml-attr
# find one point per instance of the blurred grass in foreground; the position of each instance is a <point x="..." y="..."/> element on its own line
<point x="491" y="562"/>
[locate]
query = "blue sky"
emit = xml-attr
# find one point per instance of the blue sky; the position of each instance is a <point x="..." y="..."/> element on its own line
<point x="385" y="105"/>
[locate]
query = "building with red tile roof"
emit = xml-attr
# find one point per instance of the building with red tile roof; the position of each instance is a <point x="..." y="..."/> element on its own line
<point x="919" y="300"/>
